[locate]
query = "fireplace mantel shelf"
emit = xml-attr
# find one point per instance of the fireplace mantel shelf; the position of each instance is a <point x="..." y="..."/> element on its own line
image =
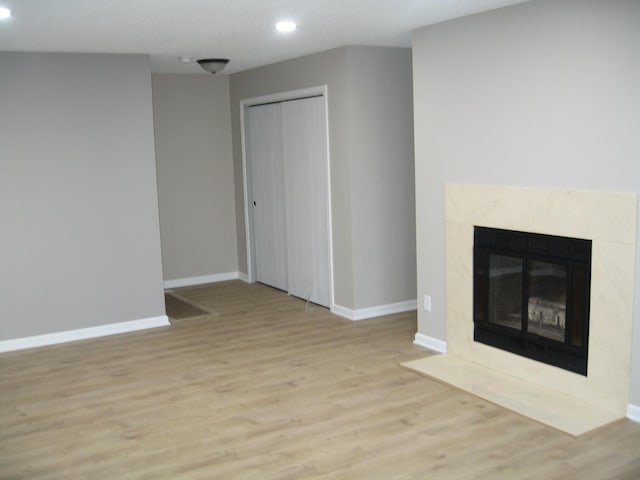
<point x="541" y="404"/>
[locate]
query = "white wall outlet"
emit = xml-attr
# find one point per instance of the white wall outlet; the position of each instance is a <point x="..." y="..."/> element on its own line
<point x="427" y="303"/>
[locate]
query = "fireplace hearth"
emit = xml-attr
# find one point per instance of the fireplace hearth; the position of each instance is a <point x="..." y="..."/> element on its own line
<point x="531" y="295"/>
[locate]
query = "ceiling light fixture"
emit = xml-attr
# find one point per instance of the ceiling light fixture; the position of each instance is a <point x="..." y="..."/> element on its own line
<point x="4" y="12"/>
<point x="286" y="26"/>
<point x="213" y="65"/>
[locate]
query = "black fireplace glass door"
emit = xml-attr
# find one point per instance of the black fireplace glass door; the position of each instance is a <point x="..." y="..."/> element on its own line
<point x="505" y="291"/>
<point x="579" y="306"/>
<point x="531" y="295"/>
<point x="547" y="299"/>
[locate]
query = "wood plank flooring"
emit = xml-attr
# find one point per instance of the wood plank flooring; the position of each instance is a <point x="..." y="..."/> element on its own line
<point x="265" y="388"/>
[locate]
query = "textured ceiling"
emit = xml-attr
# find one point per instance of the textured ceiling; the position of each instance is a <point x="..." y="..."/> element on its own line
<point x="242" y="30"/>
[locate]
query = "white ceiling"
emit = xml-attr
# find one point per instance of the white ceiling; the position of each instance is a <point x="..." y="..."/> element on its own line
<point x="241" y="30"/>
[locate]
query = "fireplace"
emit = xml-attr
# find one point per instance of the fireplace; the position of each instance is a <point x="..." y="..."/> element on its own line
<point x="531" y="295"/>
<point x="609" y="220"/>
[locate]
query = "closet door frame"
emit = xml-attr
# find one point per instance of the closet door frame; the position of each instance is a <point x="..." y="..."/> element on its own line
<point x="245" y="104"/>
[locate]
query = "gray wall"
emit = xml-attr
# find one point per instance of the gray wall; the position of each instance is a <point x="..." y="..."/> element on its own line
<point x="545" y="93"/>
<point x="78" y="205"/>
<point x="371" y="153"/>
<point x="195" y="175"/>
<point x="380" y="109"/>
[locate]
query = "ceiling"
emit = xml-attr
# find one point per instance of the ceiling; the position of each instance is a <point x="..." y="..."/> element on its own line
<point x="241" y="30"/>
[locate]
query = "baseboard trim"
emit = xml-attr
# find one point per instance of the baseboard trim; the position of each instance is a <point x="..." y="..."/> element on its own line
<point x="633" y="412"/>
<point x="190" y="281"/>
<point x="82" y="334"/>
<point x="244" y="277"/>
<point x="378" y="311"/>
<point x="431" y="343"/>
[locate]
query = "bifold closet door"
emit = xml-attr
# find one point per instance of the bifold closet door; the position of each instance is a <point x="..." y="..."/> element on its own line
<point x="287" y="155"/>
<point x="304" y="144"/>
<point x="264" y="124"/>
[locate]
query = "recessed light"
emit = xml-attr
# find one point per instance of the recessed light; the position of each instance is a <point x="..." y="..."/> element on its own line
<point x="286" y="26"/>
<point x="185" y="59"/>
<point x="4" y="12"/>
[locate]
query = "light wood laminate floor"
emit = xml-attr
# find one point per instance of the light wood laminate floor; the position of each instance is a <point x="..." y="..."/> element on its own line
<point x="262" y="389"/>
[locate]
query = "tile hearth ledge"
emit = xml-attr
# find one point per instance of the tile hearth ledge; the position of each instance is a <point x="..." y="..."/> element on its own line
<point x="609" y="220"/>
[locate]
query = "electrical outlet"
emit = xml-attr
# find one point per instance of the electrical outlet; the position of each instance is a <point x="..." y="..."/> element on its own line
<point x="427" y="303"/>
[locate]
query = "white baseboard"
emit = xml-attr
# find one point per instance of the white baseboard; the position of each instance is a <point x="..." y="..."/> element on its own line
<point x="190" y="281"/>
<point x="430" y="343"/>
<point x="82" y="333"/>
<point x="633" y="412"/>
<point x="378" y="311"/>
<point x="243" y="276"/>
<point x="342" y="312"/>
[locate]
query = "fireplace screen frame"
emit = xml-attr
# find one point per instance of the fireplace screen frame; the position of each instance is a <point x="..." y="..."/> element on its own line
<point x="574" y="254"/>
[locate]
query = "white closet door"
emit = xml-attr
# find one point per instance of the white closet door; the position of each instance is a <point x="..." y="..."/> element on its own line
<point x="306" y="184"/>
<point x="267" y="178"/>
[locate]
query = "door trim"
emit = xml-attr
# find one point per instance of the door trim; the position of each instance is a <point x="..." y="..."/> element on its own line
<point x="246" y="103"/>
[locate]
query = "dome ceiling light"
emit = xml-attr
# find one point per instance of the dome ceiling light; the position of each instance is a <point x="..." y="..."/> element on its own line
<point x="213" y="65"/>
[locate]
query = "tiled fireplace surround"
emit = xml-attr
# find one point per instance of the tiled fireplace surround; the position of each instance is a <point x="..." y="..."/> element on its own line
<point x="609" y="220"/>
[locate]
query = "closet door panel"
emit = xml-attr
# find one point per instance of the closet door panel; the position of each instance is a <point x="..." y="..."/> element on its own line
<point x="267" y="179"/>
<point x="306" y="185"/>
